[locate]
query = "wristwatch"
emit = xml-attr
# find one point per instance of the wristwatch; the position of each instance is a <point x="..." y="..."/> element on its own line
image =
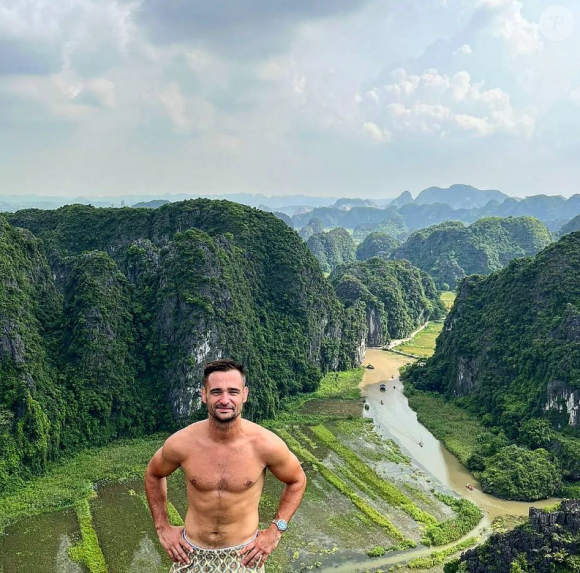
<point x="281" y="524"/>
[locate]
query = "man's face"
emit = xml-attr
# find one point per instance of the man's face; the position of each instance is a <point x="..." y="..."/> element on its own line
<point x="225" y="394"/>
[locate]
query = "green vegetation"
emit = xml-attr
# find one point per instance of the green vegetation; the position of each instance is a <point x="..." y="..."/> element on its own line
<point x="174" y="517"/>
<point x="108" y="315"/>
<point x="571" y="226"/>
<point x="31" y="403"/>
<point x="455" y="427"/>
<point x="333" y="217"/>
<point x="88" y="551"/>
<point x="73" y="480"/>
<point x="332" y="249"/>
<point x="508" y="355"/>
<point x="450" y="251"/>
<point x="388" y="492"/>
<point x="448" y="298"/>
<point x="507" y="471"/>
<point x="439" y="557"/>
<point x="396" y="297"/>
<point x="518" y="473"/>
<point x="376" y="244"/>
<point x="313" y="227"/>
<point x="343" y="385"/>
<point x="423" y="343"/>
<point x="379" y="550"/>
<point x="468" y="516"/>
<point x="394" y="226"/>
<point x="341" y="486"/>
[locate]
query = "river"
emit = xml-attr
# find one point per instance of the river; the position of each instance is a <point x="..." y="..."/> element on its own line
<point x="397" y="419"/>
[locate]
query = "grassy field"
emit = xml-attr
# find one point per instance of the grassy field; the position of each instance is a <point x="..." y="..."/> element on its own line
<point x="423" y="344"/>
<point x="73" y="481"/>
<point x="448" y="298"/>
<point x="455" y="427"/>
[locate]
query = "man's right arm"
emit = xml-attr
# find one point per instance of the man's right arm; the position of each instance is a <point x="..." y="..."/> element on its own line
<point x="165" y="461"/>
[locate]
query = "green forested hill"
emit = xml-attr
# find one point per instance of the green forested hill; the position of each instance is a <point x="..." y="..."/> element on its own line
<point x="510" y="352"/>
<point x="313" y="226"/>
<point x="376" y="244"/>
<point x="450" y="251"/>
<point x="571" y="226"/>
<point x="108" y="315"/>
<point x="393" y="226"/>
<point x="397" y="297"/>
<point x="332" y="249"/>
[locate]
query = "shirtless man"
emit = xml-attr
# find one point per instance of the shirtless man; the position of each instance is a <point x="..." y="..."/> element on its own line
<point x="224" y="459"/>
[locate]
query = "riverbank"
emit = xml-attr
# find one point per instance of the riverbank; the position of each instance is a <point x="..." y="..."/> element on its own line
<point x="430" y="420"/>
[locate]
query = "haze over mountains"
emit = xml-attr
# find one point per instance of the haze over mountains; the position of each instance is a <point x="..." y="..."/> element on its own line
<point x="431" y="206"/>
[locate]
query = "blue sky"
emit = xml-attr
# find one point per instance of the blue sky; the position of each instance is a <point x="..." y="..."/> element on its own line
<point x="331" y="97"/>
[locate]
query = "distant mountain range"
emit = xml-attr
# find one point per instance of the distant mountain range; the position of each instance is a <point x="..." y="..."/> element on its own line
<point x="433" y="205"/>
<point x="553" y="211"/>
<point x="460" y="196"/>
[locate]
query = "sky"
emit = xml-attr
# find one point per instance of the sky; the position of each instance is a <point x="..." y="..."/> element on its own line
<point x="357" y="98"/>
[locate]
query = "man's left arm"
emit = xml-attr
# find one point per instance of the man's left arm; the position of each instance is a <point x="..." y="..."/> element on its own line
<point x="286" y="467"/>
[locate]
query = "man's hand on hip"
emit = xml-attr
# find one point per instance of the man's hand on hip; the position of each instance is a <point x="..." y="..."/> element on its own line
<point x="256" y="552"/>
<point x="171" y="539"/>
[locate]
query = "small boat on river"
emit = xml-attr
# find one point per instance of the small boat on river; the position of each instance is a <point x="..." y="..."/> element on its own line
<point x="383" y="387"/>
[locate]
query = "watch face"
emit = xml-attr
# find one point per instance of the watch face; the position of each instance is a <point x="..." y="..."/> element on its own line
<point x="281" y="525"/>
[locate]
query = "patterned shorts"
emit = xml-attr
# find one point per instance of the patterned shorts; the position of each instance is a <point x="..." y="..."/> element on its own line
<point x="224" y="560"/>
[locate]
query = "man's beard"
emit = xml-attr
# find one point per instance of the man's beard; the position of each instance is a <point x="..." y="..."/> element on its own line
<point x="213" y="412"/>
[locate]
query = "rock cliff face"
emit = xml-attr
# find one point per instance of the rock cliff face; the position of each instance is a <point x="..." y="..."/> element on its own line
<point x="398" y="297"/>
<point x="511" y="343"/>
<point x="549" y="542"/>
<point x="107" y="317"/>
<point x="30" y="406"/>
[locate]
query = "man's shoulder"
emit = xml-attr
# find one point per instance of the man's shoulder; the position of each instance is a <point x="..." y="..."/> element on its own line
<point x="256" y="431"/>
<point x="266" y="442"/>
<point x="182" y="439"/>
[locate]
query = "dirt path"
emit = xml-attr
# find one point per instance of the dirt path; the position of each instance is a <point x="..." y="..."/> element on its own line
<point x="399" y="341"/>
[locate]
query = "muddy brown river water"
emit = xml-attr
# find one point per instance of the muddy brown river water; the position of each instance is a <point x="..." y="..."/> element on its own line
<point x="396" y="418"/>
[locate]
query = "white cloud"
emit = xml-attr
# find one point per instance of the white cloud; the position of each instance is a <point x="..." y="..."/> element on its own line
<point x="522" y="36"/>
<point x="186" y="113"/>
<point x="298" y="107"/>
<point x="434" y="103"/>
<point x="300" y="83"/>
<point x="63" y="95"/>
<point x="376" y="133"/>
<point x="101" y="89"/>
<point x="87" y="35"/>
<point x="464" y="50"/>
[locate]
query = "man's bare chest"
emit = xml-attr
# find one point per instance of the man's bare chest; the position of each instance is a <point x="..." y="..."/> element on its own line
<point x="224" y="471"/>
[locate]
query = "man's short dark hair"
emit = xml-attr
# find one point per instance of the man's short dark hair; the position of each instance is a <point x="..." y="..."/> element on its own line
<point x="223" y="365"/>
